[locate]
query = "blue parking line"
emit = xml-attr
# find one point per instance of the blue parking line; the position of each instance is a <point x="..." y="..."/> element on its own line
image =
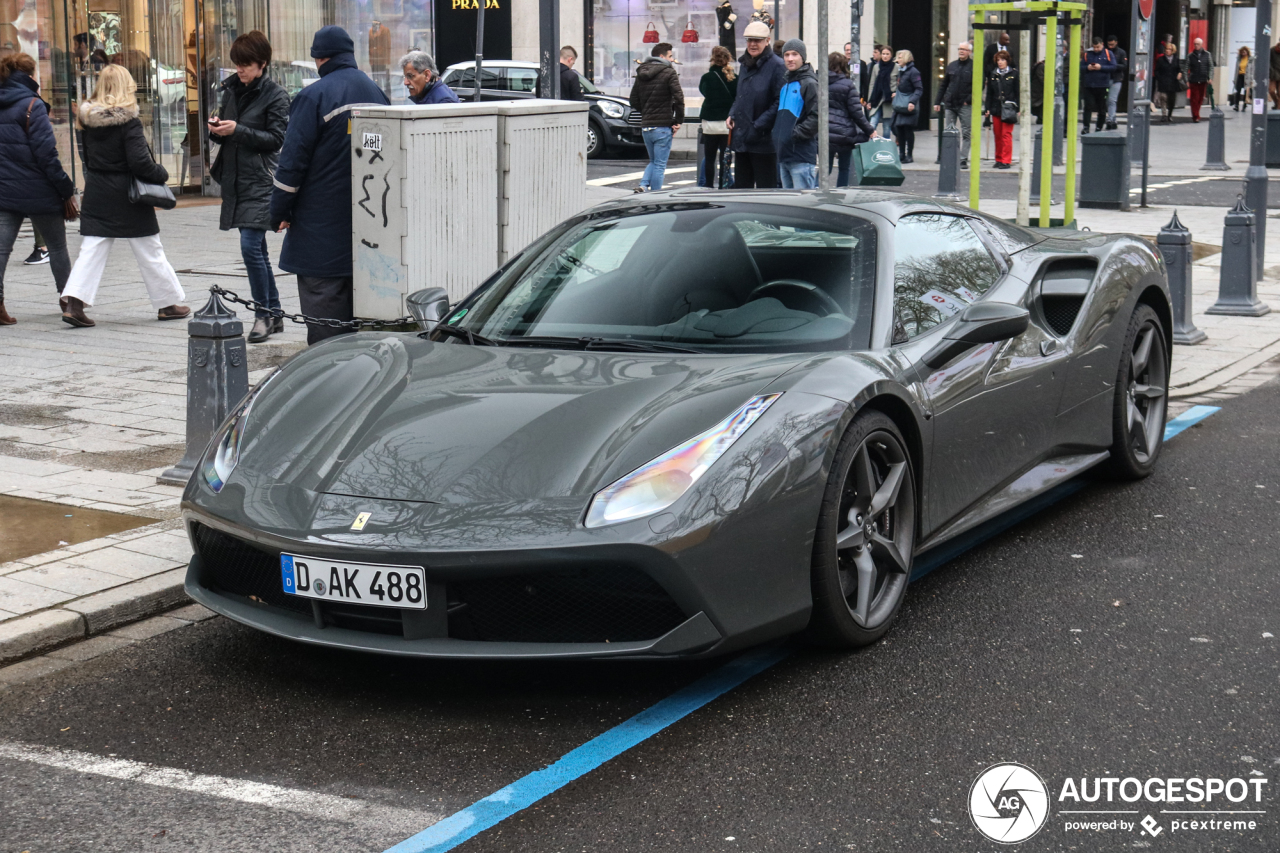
<point x="524" y="792"/>
<point x="1189" y="418"/>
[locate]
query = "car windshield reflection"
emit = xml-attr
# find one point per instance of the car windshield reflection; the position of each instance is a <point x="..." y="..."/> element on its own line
<point x="706" y="277"/>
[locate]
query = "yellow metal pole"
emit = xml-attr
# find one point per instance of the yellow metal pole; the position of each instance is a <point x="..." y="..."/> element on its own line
<point x="1046" y="142"/>
<point x="975" y="114"/>
<point x="1073" y="132"/>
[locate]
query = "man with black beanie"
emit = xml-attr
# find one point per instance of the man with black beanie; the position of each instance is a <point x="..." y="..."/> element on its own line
<point x="312" y="195"/>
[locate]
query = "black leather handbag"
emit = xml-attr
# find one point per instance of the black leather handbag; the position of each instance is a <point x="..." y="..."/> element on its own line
<point x="151" y="195"/>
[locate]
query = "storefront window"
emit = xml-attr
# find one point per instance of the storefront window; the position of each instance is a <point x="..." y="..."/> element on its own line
<point x="691" y="26"/>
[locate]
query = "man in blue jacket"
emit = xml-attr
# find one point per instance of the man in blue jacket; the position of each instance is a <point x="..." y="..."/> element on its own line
<point x="423" y="79"/>
<point x="1099" y="64"/>
<point x="795" y="131"/>
<point x="755" y="107"/>
<point x="312" y="195"/>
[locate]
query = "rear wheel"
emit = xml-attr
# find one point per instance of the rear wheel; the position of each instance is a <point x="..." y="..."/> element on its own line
<point x="865" y="536"/>
<point x="596" y="140"/>
<point x="1141" y="397"/>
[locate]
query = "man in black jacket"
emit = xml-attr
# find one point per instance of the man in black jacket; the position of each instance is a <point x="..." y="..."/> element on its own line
<point x="755" y="109"/>
<point x="657" y="96"/>
<point x="1117" y="79"/>
<point x="570" y="88"/>
<point x="1199" y="70"/>
<point x="955" y="96"/>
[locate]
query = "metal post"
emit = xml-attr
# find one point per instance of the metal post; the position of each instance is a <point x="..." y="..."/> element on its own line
<point x="855" y="42"/>
<point x="1146" y="149"/>
<point x="975" y="114"/>
<point x="480" y="45"/>
<point x="1216" y="156"/>
<point x="1073" y="129"/>
<point x="217" y="380"/>
<point x="824" y="98"/>
<point x="949" y="164"/>
<point x="549" y="47"/>
<point x="1255" y="178"/>
<point x="1050" y="127"/>
<point x="1025" y="155"/>
<point x="1174" y="242"/>
<point x="1238" y="280"/>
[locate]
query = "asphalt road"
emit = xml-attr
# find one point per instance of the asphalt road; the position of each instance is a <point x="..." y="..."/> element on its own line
<point x="1207" y="189"/>
<point x="1121" y="632"/>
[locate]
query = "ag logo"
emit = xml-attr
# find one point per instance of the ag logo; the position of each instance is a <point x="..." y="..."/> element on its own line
<point x="1008" y="803"/>
<point x="882" y="157"/>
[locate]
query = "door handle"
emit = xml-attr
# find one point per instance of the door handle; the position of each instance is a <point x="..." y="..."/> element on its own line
<point x="1048" y="347"/>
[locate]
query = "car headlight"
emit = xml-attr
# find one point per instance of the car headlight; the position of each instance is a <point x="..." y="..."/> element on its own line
<point x="224" y="450"/>
<point x="656" y="485"/>
<point x="612" y="109"/>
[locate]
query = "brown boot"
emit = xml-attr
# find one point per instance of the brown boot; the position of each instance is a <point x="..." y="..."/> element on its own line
<point x="5" y="319"/>
<point x="173" y="312"/>
<point x="74" y="314"/>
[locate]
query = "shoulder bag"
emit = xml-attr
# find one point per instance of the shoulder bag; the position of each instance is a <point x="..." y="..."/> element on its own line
<point x="902" y="103"/>
<point x="151" y="195"/>
<point x="717" y="128"/>
<point x="1009" y="112"/>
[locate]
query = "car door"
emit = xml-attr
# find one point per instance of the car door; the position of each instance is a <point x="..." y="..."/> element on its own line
<point x="993" y="407"/>
<point x="521" y="82"/>
<point x="493" y="84"/>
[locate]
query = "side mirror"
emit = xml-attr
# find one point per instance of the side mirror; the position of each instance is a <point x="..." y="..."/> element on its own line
<point x="428" y="306"/>
<point x="981" y="323"/>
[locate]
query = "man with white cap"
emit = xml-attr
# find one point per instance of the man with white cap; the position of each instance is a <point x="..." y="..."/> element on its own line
<point x="755" y="108"/>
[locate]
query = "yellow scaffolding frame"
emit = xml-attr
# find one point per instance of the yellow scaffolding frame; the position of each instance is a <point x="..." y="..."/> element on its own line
<point x="1050" y="83"/>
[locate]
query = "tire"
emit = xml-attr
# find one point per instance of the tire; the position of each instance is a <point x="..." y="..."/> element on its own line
<point x="851" y="553"/>
<point x="597" y="140"/>
<point x="1141" y="398"/>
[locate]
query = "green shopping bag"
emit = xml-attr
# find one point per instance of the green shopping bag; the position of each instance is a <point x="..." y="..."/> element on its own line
<point x="876" y="164"/>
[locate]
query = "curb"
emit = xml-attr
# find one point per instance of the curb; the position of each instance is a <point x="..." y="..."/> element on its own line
<point x="91" y="615"/>
<point x="1224" y="375"/>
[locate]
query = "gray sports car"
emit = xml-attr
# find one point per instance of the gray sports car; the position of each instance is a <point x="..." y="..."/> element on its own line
<point x="679" y="425"/>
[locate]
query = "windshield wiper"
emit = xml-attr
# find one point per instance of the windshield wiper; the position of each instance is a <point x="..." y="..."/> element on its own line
<point x="466" y="335"/>
<point x="595" y="344"/>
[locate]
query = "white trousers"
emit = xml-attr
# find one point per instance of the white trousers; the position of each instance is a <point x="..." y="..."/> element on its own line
<point x="157" y="273"/>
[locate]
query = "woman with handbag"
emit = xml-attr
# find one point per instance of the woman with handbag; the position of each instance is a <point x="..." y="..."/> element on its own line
<point x="847" y="125"/>
<point x="718" y="87"/>
<point x="1243" y="95"/>
<point x="906" y="105"/>
<point x="250" y="125"/>
<point x="117" y="165"/>
<point x="33" y="184"/>
<point x="1002" y="106"/>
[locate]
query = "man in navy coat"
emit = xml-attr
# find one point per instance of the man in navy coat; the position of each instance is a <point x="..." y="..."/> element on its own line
<point x="312" y="195"/>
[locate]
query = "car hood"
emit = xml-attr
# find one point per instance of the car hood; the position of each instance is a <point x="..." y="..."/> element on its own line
<point x="401" y="418"/>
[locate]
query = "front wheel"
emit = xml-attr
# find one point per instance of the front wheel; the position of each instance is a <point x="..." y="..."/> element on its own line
<point x="596" y="137"/>
<point x="865" y="536"/>
<point x="1141" y="397"/>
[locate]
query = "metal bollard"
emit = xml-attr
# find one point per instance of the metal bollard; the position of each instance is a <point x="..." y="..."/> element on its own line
<point x="1035" y="170"/>
<point x="949" y="164"/>
<point x="1174" y="243"/>
<point x="1237" y="283"/>
<point x="1217" y="156"/>
<point x="217" y="379"/>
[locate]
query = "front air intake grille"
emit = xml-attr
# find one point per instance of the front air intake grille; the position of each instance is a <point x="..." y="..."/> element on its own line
<point x="634" y="118"/>
<point x="590" y="605"/>
<point x="1060" y="312"/>
<point x="234" y="566"/>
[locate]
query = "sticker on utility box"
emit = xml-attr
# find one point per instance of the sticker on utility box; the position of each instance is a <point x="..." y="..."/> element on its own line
<point x="371" y="142"/>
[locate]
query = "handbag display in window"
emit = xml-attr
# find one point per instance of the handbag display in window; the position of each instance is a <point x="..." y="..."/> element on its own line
<point x="650" y="33"/>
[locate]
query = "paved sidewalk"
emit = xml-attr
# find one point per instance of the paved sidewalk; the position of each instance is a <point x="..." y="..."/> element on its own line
<point x="89" y="417"/>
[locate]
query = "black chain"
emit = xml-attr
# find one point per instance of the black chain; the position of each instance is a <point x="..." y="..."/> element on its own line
<point x="280" y="314"/>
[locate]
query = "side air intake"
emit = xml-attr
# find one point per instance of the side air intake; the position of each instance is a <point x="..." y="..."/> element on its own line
<point x="1063" y="289"/>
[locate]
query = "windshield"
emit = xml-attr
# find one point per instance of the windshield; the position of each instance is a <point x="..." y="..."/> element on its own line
<point x="715" y="277"/>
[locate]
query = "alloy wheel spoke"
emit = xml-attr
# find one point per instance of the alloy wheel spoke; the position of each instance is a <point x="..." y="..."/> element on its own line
<point x="866" y="585"/>
<point x="1148" y="392"/>
<point x="890" y="549"/>
<point x="864" y="476"/>
<point x="1142" y="353"/>
<point x="853" y="535"/>
<point x="887" y="495"/>
<point x="1137" y="421"/>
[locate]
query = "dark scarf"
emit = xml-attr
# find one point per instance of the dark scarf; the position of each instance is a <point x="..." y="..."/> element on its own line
<point x="339" y="60"/>
<point x="752" y="61"/>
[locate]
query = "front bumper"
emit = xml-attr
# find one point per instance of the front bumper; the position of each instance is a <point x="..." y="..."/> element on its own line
<point x="620" y="600"/>
<point x="622" y="133"/>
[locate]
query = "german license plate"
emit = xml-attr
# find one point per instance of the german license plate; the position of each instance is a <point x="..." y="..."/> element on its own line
<point x="354" y="583"/>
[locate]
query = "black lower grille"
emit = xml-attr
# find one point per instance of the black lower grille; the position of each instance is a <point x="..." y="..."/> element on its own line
<point x="234" y="566"/>
<point x="1060" y="312"/>
<point x="590" y="605"/>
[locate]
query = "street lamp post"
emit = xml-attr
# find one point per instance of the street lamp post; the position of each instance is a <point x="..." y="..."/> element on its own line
<point x="1255" y="178"/>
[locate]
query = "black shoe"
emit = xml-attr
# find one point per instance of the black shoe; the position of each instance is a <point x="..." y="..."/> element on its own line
<point x="39" y="255"/>
<point x="1111" y="125"/>
<point x="907" y="159"/>
<point x="262" y="329"/>
<point x="278" y="326"/>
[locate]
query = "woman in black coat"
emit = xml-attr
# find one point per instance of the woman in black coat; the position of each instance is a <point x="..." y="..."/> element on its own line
<point x="1002" y="88"/>
<point x="251" y="124"/>
<point x="115" y="154"/>
<point x="847" y="121"/>
<point x="718" y="87"/>
<point x="1169" y="80"/>
<point x="904" y="121"/>
<point x="33" y="184"/>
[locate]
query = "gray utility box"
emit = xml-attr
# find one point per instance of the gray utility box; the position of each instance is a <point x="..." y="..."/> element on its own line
<point x="443" y="195"/>
<point x="1104" y="170"/>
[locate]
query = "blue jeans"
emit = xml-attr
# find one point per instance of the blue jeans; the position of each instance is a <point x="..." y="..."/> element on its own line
<point x="798" y="176"/>
<point x="844" y="159"/>
<point x="658" y="143"/>
<point x="880" y="119"/>
<point x="262" y="281"/>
